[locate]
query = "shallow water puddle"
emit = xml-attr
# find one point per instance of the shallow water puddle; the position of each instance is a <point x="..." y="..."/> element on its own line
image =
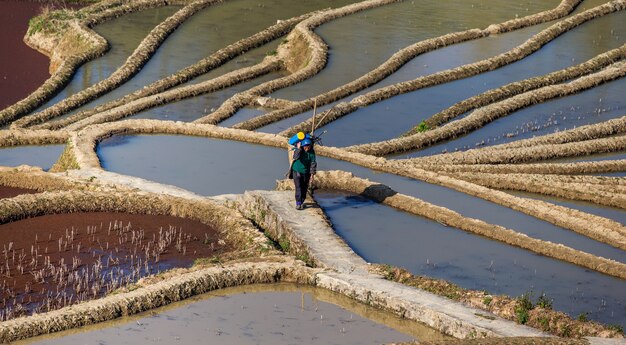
<point x="381" y="234"/>
<point x="41" y="156"/>
<point x="263" y="314"/>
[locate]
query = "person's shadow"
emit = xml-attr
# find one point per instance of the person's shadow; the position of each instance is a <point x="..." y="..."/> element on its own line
<point x="378" y="193"/>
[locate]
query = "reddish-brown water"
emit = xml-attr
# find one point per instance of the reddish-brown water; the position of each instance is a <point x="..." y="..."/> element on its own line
<point x="22" y="69"/>
<point x="9" y="192"/>
<point x="52" y="261"/>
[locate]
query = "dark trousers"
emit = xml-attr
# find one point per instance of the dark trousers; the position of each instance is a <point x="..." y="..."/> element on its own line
<point x="301" y="182"/>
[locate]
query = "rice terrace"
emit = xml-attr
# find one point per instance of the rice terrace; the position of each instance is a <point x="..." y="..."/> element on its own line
<point x="470" y="184"/>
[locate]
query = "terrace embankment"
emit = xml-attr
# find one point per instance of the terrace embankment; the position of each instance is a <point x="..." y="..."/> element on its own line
<point x="133" y="64"/>
<point x="416" y="138"/>
<point x="268" y="65"/>
<point x="400" y="58"/>
<point x="87" y="255"/>
<point x="540" y="317"/>
<point x="529" y="154"/>
<point x="160" y="291"/>
<point x="578" y="142"/>
<point x="304" y="54"/>
<point x="203" y="66"/>
<point x="530" y="46"/>
<point x="84" y="143"/>
<point x="20" y="76"/>
<point x="315" y="241"/>
<point x="612" y="194"/>
<point x="66" y="37"/>
<point x="384" y="194"/>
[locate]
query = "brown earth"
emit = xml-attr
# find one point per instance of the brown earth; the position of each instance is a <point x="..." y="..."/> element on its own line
<point x="56" y="260"/>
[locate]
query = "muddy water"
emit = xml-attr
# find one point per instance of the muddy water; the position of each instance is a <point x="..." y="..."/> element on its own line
<point x="429" y="248"/>
<point x="18" y="77"/>
<point x="263" y="314"/>
<point x="41" y="156"/>
<point x="85" y="255"/>
<point x="9" y="192"/>
<point x="207" y="31"/>
<point x="390" y="28"/>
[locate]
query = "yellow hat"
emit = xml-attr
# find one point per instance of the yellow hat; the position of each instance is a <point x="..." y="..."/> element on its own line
<point x="300" y="135"/>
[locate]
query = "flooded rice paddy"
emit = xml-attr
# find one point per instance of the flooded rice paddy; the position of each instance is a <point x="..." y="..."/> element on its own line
<point x="382" y="234"/>
<point x="393" y="117"/>
<point x="276" y="314"/>
<point x="135" y="155"/>
<point x="357" y="44"/>
<point x="220" y="25"/>
<point x="390" y="28"/>
<point x="41" y="156"/>
<point x="616" y="214"/>
<point x="599" y="104"/>
<point x="52" y="261"/>
<point x="204" y="168"/>
<point x="9" y="192"/>
<point x="123" y="34"/>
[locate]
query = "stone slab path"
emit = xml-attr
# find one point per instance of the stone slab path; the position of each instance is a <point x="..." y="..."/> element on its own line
<point x="346" y="272"/>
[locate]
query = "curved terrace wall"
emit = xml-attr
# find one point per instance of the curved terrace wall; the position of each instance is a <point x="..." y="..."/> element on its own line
<point x="315" y="57"/>
<point x="413" y="139"/>
<point x="403" y="56"/>
<point x="235" y="229"/>
<point x="530" y="46"/>
<point x="133" y="64"/>
<point x="186" y="74"/>
<point x="268" y="65"/>
<point x="346" y="182"/>
<point x="68" y="64"/>
<point x="537" y="168"/>
<point x="151" y="296"/>
<point x="85" y="142"/>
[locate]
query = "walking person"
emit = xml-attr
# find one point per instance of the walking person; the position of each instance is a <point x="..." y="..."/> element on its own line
<point x="304" y="168"/>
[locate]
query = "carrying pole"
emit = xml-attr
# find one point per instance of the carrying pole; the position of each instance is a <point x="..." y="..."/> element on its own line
<point x="314" y="113"/>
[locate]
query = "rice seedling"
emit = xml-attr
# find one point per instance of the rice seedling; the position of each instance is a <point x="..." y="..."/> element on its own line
<point x="90" y="262"/>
